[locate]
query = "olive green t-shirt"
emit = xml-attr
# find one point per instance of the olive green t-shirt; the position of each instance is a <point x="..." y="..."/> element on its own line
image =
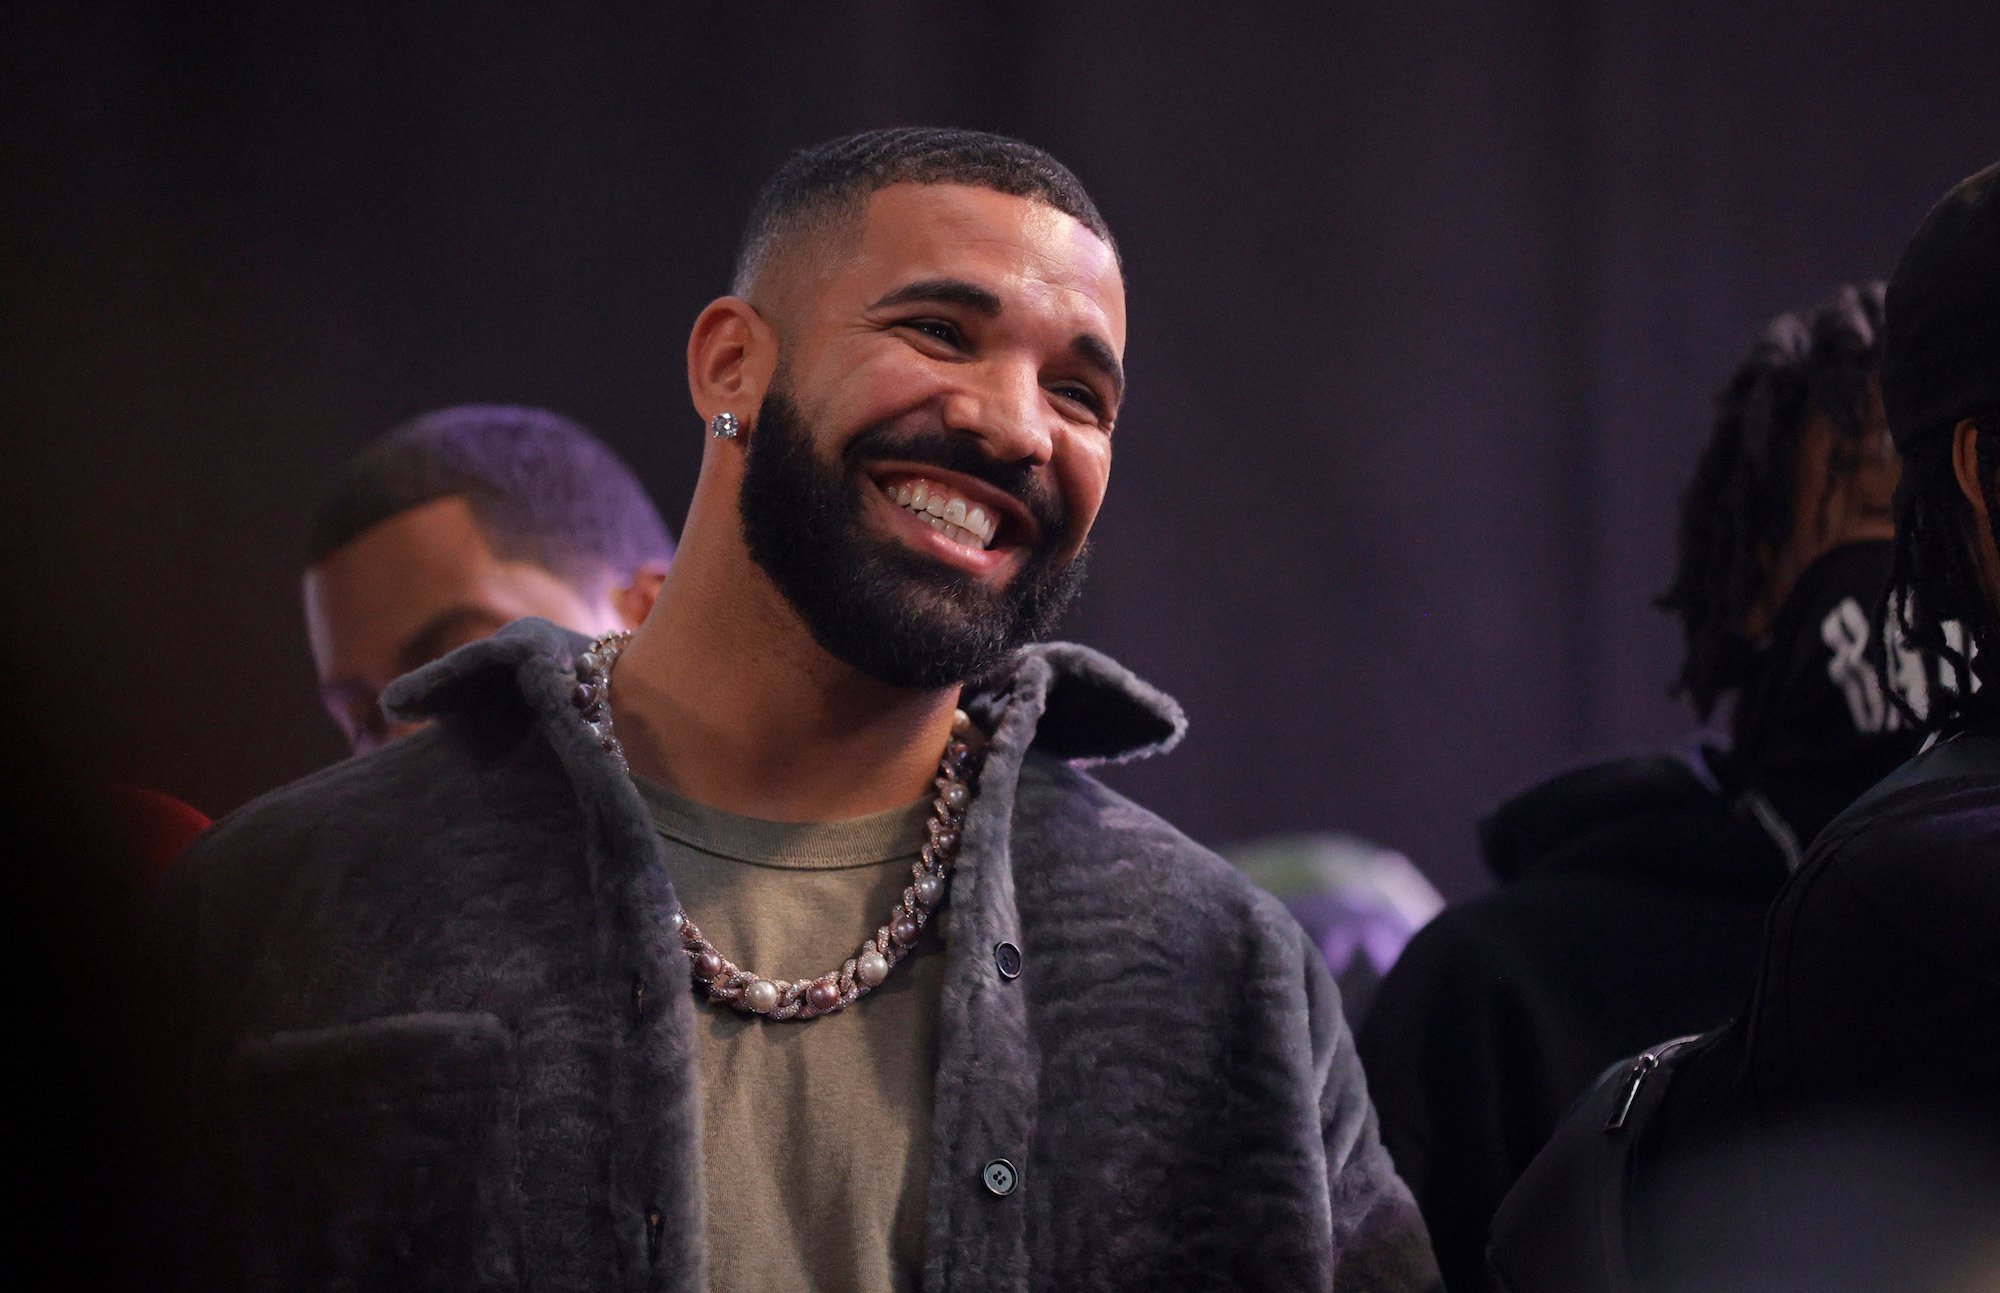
<point x="816" y="1134"/>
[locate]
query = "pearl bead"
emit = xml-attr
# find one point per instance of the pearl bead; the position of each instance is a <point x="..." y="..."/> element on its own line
<point x="904" y="930"/>
<point x="871" y="967"/>
<point x="823" y="993"/>
<point x="961" y="722"/>
<point x="707" y="966"/>
<point x="956" y="796"/>
<point x="929" y="890"/>
<point x="762" y="996"/>
<point x="676" y="921"/>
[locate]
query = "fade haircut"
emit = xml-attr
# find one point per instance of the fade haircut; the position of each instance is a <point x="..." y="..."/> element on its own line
<point x="541" y="488"/>
<point x="1737" y="511"/>
<point x="821" y="188"/>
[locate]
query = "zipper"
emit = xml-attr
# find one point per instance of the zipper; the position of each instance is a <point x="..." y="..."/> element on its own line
<point x="1642" y="1068"/>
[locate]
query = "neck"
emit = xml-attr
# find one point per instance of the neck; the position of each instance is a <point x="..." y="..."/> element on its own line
<point x="724" y="696"/>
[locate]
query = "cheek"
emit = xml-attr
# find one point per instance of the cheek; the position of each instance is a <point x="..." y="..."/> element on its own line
<point x="863" y="387"/>
<point x="1083" y="471"/>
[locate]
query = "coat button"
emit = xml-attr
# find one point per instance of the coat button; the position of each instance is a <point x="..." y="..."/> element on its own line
<point x="1008" y="958"/>
<point x="1000" y="1177"/>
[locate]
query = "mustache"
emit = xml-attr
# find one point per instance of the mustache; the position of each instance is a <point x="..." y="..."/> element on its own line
<point x="960" y="453"/>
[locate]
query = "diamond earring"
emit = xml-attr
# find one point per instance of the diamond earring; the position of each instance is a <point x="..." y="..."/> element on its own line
<point x="724" y="426"/>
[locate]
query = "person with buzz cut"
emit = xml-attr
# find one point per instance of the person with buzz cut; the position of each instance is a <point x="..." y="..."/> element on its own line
<point x="457" y="523"/>
<point x="785" y="943"/>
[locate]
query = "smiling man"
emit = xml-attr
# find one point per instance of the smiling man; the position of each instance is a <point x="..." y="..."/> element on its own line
<point x="782" y="944"/>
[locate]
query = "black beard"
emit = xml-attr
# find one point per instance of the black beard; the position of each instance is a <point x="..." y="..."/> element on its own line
<point x="885" y="609"/>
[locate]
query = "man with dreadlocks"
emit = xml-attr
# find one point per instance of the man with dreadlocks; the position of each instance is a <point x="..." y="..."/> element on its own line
<point x="1633" y="891"/>
<point x="1843" y="1132"/>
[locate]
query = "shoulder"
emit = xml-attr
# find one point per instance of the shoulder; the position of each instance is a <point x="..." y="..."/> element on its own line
<point x="1474" y="964"/>
<point x="409" y="796"/>
<point x="1910" y="852"/>
<point x="1079" y="842"/>
<point x="1572" y="808"/>
<point x="1885" y="935"/>
<point x="1942" y="799"/>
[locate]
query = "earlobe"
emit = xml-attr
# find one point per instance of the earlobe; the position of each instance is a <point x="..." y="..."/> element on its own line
<point x="732" y="353"/>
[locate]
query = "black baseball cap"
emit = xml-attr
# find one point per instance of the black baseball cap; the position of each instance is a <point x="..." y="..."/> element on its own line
<point x="1941" y="323"/>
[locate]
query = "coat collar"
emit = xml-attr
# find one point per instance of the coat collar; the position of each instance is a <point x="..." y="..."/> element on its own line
<point x="1084" y="706"/>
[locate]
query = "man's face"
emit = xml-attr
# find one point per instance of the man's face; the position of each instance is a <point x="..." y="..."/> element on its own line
<point x="926" y="468"/>
<point x="409" y="590"/>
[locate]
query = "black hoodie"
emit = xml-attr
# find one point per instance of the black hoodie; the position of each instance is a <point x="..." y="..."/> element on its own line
<point x="1631" y="909"/>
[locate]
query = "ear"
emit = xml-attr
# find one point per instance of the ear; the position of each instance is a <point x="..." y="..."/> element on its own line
<point x="1965" y="466"/>
<point x="634" y="600"/>
<point x="732" y="354"/>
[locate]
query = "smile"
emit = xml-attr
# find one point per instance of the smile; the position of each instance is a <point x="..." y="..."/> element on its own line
<point x="948" y="512"/>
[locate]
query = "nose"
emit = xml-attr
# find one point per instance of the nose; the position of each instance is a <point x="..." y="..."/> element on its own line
<point x="1004" y="406"/>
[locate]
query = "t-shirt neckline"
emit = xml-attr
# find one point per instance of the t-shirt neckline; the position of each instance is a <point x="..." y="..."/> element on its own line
<point x="887" y="836"/>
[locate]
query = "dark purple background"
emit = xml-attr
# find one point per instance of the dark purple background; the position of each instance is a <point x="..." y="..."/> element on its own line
<point x="1427" y="300"/>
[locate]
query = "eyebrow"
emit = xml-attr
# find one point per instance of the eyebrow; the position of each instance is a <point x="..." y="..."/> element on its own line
<point x="948" y="291"/>
<point x="1093" y="350"/>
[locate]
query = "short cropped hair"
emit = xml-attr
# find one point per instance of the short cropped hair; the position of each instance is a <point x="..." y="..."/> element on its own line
<point x="819" y="187"/>
<point x="542" y="489"/>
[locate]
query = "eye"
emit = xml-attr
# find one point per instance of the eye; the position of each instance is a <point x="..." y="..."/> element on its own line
<point x="940" y="330"/>
<point x="1083" y="395"/>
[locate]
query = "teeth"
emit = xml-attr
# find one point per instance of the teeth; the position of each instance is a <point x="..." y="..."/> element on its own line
<point x="947" y="513"/>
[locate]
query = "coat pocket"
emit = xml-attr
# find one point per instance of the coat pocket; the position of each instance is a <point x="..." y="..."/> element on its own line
<point x="380" y="1155"/>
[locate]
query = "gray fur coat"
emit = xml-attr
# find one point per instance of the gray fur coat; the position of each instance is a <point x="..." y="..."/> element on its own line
<point x="439" y="1034"/>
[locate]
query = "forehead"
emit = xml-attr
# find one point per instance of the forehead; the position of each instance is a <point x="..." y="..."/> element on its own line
<point x="364" y="598"/>
<point x="1033" y="256"/>
<point x="433" y="543"/>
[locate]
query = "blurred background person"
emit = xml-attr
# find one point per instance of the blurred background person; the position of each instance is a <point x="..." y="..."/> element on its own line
<point x="1634" y="890"/>
<point x="1359" y="902"/>
<point x="1844" y="1131"/>
<point x="457" y="523"/>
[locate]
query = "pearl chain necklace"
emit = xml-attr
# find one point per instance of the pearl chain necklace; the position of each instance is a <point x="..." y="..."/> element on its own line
<point x="731" y="985"/>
